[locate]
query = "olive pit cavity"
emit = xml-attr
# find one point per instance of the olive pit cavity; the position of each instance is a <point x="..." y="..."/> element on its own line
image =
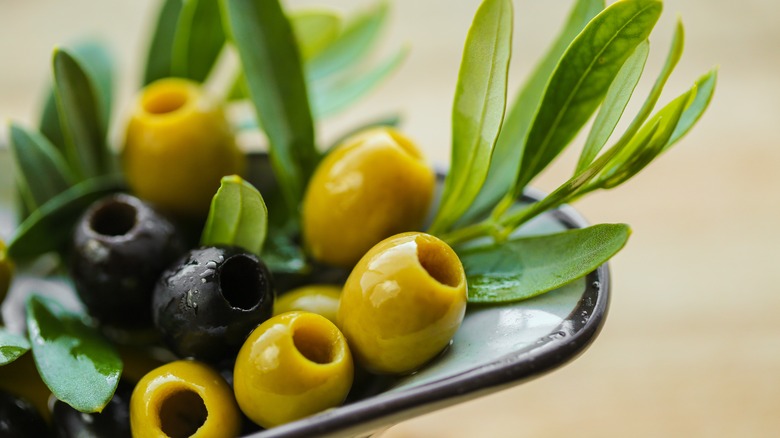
<point x="165" y="102"/>
<point x="314" y="343"/>
<point x="240" y="282"/>
<point x="113" y="219"/>
<point x="440" y="265"/>
<point x="182" y="414"/>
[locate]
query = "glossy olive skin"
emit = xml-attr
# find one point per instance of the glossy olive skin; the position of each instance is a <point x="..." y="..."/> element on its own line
<point x="6" y="271"/>
<point x="294" y="365"/>
<point x="120" y="247"/>
<point x="403" y="303"/>
<point x="209" y="300"/>
<point x="184" y="398"/>
<point x="322" y="299"/>
<point x="372" y="186"/>
<point x="19" y="419"/>
<point x="113" y="422"/>
<point x="177" y="147"/>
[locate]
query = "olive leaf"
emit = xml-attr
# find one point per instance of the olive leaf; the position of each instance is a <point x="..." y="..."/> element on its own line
<point x="198" y="39"/>
<point x="315" y="30"/>
<point x="12" y="346"/>
<point x="81" y="116"/>
<point x="80" y="367"/>
<point x="159" y="58"/>
<point x="238" y="216"/>
<point x="270" y="59"/>
<point x="615" y="102"/>
<point x="478" y="109"/>
<point x="522" y="268"/>
<point x="329" y="97"/>
<point x="49" y="227"/>
<point x="582" y="78"/>
<point x="42" y="172"/>
<point x="352" y="45"/>
<point x="511" y="140"/>
<point x="705" y="88"/>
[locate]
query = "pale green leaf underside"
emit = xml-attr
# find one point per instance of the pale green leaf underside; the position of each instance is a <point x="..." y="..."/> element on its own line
<point x="238" y="216"/>
<point x="12" y="346"/>
<point x="523" y="268"/>
<point x="315" y="30"/>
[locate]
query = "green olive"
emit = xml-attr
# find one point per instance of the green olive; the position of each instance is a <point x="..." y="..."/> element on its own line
<point x="372" y="186"/>
<point x="6" y="271"/>
<point x="178" y="146"/>
<point x="322" y="299"/>
<point x="183" y="399"/>
<point x="294" y="365"/>
<point x="403" y="303"/>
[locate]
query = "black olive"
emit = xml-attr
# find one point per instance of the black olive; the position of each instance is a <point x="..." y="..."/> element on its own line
<point x="113" y="422"/>
<point x="120" y="247"/>
<point x="18" y="418"/>
<point x="208" y="302"/>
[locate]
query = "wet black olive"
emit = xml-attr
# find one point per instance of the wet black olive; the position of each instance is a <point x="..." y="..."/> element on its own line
<point x="120" y="248"/>
<point x="206" y="304"/>
<point x="19" y="419"/>
<point x="113" y="422"/>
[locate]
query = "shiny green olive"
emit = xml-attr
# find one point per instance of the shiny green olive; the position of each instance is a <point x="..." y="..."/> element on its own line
<point x="20" y="419"/>
<point x="178" y="146"/>
<point x="6" y="271"/>
<point x="183" y="399"/>
<point x="322" y="299"/>
<point x="208" y="301"/>
<point x="403" y="303"/>
<point x="372" y="186"/>
<point x="120" y="248"/>
<point x="294" y="365"/>
<point x="113" y="421"/>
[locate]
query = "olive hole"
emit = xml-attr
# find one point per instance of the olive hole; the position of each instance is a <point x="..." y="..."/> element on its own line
<point x="240" y="281"/>
<point x="182" y="414"/>
<point x="315" y="343"/>
<point x="113" y="219"/>
<point x="165" y="101"/>
<point x="442" y="265"/>
<point x="406" y="145"/>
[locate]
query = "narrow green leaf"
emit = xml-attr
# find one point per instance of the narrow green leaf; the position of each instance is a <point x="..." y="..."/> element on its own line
<point x="12" y="346"/>
<point x="81" y="117"/>
<point x="281" y="252"/>
<point x="352" y="45"/>
<point x="523" y="268"/>
<point x="582" y="78"/>
<point x="315" y="30"/>
<point x="198" y="40"/>
<point x="49" y="124"/>
<point x="42" y="171"/>
<point x="478" y="109"/>
<point x="329" y="97"/>
<point x="511" y="140"/>
<point x="269" y="55"/>
<point x="160" y="55"/>
<point x="705" y="88"/>
<point x="80" y="367"/>
<point x="615" y="102"/>
<point x="238" y="216"/>
<point x="49" y="227"/>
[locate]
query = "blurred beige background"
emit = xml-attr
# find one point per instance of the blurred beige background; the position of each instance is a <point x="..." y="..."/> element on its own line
<point x="692" y="343"/>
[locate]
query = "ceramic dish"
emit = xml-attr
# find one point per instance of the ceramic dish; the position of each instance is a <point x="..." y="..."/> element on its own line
<point x="495" y="348"/>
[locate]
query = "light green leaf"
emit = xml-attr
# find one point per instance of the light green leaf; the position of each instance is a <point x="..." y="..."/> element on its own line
<point x="238" y="216"/>
<point x="49" y="227"/>
<point x="269" y="55"/>
<point x="160" y="55"/>
<point x="352" y="45"/>
<point x="523" y="268"/>
<point x="315" y="30"/>
<point x="478" y="109"/>
<point x="705" y="88"/>
<point x="198" y="39"/>
<point x="582" y="78"/>
<point x="511" y="140"/>
<point x="12" y="346"/>
<point x="81" y="117"/>
<point x="615" y="102"/>
<point x="80" y="367"/>
<point x="42" y="171"/>
<point x="329" y="97"/>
